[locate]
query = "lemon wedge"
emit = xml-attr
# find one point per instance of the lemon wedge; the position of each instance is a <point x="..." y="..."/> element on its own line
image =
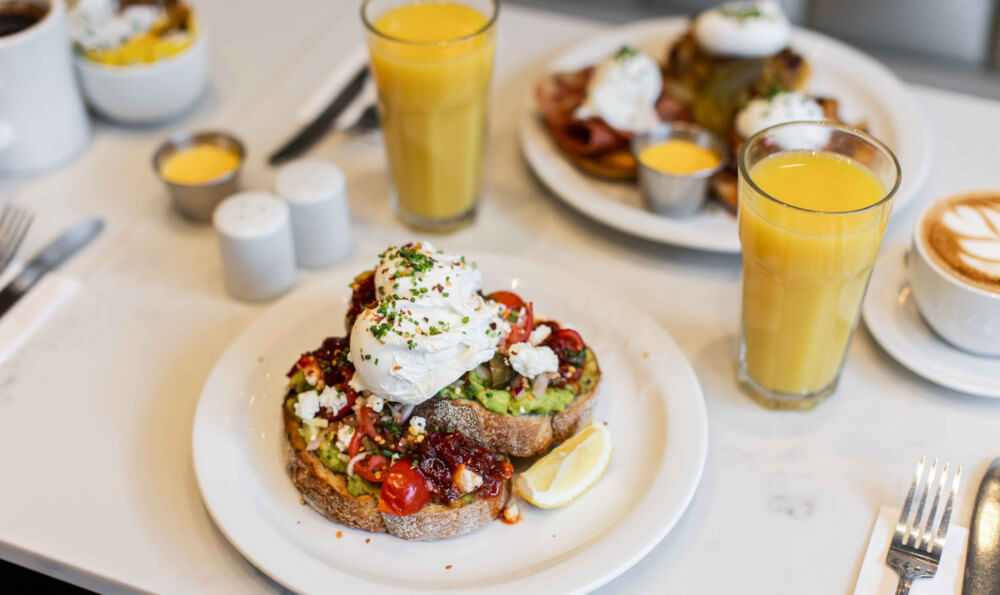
<point x="569" y="470"/>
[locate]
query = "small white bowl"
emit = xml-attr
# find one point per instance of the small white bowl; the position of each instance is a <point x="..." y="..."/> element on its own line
<point x="147" y="93"/>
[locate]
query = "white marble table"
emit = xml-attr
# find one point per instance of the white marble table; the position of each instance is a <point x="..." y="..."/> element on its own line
<point x="95" y="412"/>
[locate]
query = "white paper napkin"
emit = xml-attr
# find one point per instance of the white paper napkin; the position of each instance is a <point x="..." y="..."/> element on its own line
<point x="34" y="309"/>
<point x="876" y="578"/>
<point x="335" y="81"/>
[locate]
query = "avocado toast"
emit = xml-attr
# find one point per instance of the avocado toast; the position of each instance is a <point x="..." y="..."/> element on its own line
<point x="360" y="462"/>
<point x="536" y="390"/>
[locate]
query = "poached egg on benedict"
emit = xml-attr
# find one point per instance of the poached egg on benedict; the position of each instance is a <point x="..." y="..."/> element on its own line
<point x="743" y="29"/>
<point x="790" y="106"/>
<point x="623" y="91"/>
<point x="428" y="327"/>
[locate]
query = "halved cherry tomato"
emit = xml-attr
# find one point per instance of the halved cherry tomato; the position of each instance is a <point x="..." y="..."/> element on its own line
<point x="368" y="417"/>
<point x="335" y="415"/>
<point x="568" y="345"/>
<point x="509" y="299"/>
<point x="372" y="468"/>
<point x="404" y="490"/>
<point x="520" y="331"/>
<point x="355" y="445"/>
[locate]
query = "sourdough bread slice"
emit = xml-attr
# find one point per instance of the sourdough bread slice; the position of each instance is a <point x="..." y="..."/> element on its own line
<point x="326" y="492"/>
<point x="518" y="436"/>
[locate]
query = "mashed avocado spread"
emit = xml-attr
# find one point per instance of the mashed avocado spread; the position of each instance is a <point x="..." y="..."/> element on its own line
<point x="502" y="401"/>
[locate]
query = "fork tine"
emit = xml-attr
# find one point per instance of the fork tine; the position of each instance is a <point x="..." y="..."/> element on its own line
<point x="26" y="220"/>
<point x="946" y="516"/>
<point x="926" y="539"/>
<point x="914" y="528"/>
<point x="904" y="515"/>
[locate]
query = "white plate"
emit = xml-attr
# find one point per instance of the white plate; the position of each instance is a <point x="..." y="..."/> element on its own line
<point x="893" y="319"/>
<point x="866" y="89"/>
<point x="649" y="396"/>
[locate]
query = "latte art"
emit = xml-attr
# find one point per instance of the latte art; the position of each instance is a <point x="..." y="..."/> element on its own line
<point x="963" y="237"/>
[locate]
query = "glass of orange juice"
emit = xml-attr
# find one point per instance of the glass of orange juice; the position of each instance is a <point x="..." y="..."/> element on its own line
<point x="432" y="62"/>
<point x="814" y="199"/>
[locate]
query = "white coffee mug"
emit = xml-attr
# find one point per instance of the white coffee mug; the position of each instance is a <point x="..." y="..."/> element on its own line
<point x="964" y="315"/>
<point x="43" y="122"/>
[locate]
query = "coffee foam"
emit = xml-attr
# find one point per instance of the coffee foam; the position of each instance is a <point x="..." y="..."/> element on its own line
<point x="962" y="235"/>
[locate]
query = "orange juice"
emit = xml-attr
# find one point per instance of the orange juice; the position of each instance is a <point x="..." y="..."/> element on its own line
<point x="806" y="264"/>
<point x="432" y="63"/>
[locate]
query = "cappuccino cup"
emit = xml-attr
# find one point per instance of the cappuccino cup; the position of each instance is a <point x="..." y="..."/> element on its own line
<point x="43" y="121"/>
<point x="954" y="270"/>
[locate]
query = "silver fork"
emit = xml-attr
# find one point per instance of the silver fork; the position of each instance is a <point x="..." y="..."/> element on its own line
<point x="14" y="224"/>
<point x="915" y="551"/>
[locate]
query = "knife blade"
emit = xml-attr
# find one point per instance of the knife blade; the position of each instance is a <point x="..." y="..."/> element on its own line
<point x="57" y="252"/>
<point x="315" y="130"/>
<point x="982" y="559"/>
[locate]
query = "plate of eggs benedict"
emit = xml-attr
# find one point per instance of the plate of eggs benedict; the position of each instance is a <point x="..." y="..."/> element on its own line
<point x="726" y="73"/>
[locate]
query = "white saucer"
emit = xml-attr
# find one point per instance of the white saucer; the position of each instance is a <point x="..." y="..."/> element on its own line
<point x="894" y="321"/>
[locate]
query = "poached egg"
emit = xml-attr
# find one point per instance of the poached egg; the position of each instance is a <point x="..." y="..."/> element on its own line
<point x="783" y="107"/>
<point x="429" y="327"/>
<point x="623" y="91"/>
<point x="743" y="29"/>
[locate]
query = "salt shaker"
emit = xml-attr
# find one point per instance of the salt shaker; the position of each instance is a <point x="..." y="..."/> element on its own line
<point x="255" y="238"/>
<point x="317" y="199"/>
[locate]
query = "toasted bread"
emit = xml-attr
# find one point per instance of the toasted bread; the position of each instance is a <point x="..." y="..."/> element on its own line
<point x="326" y="492"/>
<point x="518" y="436"/>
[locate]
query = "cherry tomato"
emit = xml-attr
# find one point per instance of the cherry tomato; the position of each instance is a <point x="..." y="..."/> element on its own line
<point x="372" y="468"/>
<point x="404" y="490"/>
<point x="368" y="417"/>
<point x="355" y="444"/>
<point x="520" y="331"/>
<point x="335" y="415"/>
<point x="509" y="299"/>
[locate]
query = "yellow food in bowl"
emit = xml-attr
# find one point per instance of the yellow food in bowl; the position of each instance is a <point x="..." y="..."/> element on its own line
<point x="678" y="157"/>
<point x="199" y="164"/>
<point x="156" y="44"/>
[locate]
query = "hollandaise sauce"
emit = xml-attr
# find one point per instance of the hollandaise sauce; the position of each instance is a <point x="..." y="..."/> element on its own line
<point x="678" y="157"/>
<point x="199" y="164"/>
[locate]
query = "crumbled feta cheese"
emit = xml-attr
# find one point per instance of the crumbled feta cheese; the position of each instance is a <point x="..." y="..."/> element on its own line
<point x="530" y="361"/>
<point x="311" y="376"/>
<point x="307" y="405"/>
<point x="466" y="479"/>
<point x="512" y="513"/>
<point x="418" y="425"/>
<point x="376" y="403"/>
<point x="540" y="333"/>
<point x="344" y="435"/>
<point x="333" y="399"/>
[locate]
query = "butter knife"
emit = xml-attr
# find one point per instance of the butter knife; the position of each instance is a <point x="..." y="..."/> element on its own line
<point x="315" y="130"/>
<point x="53" y="255"/>
<point x="982" y="560"/>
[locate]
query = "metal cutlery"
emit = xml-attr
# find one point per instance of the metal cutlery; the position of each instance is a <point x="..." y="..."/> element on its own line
<point x="982" y="559"/>
<point x="368" y="120"/>
<point x="917" y="543"/>
<point x="50" y="257"/>
<point x="315" y="130"/>
<point x="14" y="224"/>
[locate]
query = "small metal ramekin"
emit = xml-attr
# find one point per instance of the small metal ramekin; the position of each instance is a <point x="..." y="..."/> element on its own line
<point x="198" y="201"/>
<point x="677" y="194"/>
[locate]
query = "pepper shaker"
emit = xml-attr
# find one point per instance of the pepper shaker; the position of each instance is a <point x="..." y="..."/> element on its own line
<point x="317" y="199"/>
<point x="255" y="238"/>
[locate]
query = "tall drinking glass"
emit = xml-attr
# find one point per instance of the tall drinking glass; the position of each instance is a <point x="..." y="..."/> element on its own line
<point x="432" y="62"/>
<point x="814" y="198"/>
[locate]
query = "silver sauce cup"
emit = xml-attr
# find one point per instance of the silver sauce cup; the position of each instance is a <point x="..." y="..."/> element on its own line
<point x="677" y="194"/>
<point x="198" y="201"/>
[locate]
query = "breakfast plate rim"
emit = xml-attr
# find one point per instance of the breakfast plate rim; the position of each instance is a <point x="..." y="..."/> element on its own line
<point x="911" y="147"/>
<point x="685" y="447"/>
